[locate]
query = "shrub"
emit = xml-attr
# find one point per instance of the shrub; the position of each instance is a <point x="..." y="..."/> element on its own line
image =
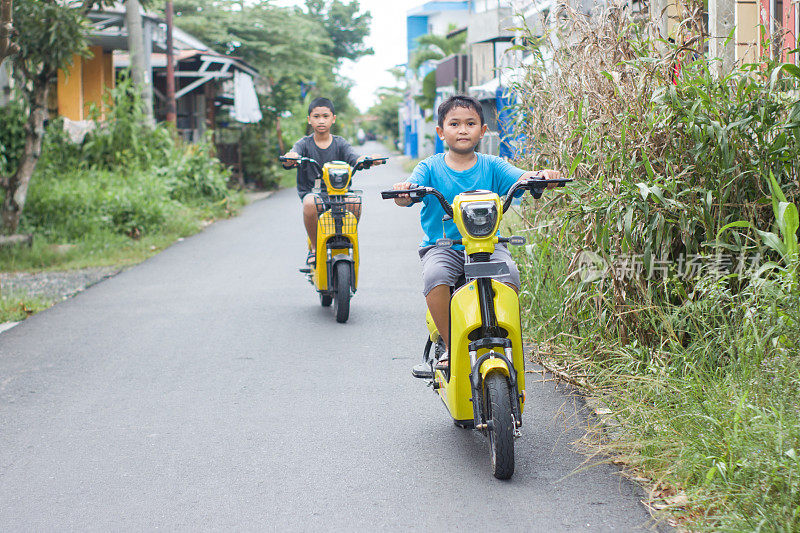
<point x="12" y="137"/>
<point x="668" y="168"/>
<point x="73" y="204"/>
<point x="125" y="139"/>
<point x="194" y="175"/>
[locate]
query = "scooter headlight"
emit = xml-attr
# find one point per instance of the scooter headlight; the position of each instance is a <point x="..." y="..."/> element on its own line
<point x="479" y="218"/>
<point x="338" y="177"/>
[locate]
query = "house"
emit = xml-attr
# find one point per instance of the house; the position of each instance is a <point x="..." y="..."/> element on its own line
<point x="205" y="80"/>
<point x="760" y="28"/>
<point x="207" y="84"/>
<point x="490" y="36"/>
<point x="486" y="71"/>
<point x="418" y="131"/>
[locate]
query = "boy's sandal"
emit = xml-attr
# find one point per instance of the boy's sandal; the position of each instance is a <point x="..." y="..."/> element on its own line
<point x="311" y="259"/>
<point x="443" y="363"/>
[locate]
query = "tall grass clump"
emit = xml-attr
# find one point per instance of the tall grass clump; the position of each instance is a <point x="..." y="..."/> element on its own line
<point x="665" y="279"/>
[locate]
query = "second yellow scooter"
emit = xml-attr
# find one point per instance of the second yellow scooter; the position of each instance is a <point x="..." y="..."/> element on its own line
<point x="335" y="272"/>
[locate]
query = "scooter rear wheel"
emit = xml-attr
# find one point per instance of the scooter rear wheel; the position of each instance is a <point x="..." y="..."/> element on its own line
<point x="341" y="298"/>
<point x="325" y="300"/>
<point x="501" y="435"/>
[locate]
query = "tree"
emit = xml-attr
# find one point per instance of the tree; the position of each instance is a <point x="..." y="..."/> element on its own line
<point x="288" y="47"/>
<point x="346" y="27"/>
<point x="51" y="33"/>
<point x="7" y="47"/>
<point x="434" y="48"/>
<point x="389" y="100"/>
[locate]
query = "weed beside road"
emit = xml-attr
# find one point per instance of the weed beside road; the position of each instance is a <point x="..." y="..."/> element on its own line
<point x="664" y="281"/>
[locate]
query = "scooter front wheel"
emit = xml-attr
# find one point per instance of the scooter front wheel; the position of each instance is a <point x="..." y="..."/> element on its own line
<point x="341" y="297"/>
<point x="501" y="434"/>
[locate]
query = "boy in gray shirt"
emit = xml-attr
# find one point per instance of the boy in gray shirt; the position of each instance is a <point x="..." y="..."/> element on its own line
<point x="323" y="147"/>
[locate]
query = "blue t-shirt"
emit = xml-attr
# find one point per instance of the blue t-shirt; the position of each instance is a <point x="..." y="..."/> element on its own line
<point x="489" y="173"/>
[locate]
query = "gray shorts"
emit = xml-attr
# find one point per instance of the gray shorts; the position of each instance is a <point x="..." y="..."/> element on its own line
<point x="443" y="266"/>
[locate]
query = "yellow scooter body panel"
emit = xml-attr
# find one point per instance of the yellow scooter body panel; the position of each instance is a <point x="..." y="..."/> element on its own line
<point x="325" y="230"/>
<point x="465" y="316"/>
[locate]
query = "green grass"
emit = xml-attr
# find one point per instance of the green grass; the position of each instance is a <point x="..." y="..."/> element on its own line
<point x="16" y="307"/>
<point x="106" y="247"/>
<point x="103" y="249"/>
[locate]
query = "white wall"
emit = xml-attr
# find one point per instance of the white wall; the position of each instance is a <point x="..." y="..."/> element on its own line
<point x="439" y="24"/>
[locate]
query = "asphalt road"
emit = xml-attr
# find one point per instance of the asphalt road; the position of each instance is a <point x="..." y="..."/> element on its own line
<point x="206" y="389"/>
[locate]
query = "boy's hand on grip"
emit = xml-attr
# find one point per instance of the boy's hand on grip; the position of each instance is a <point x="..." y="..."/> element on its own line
<point x="405" y="199"/>
<point x="289" y="163"/>
<point x="547" y="174"/>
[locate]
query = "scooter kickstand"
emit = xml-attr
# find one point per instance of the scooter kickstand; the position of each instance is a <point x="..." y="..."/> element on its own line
<point x="517" y="431"/>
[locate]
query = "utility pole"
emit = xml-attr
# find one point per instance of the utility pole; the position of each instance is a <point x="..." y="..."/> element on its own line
<point x="172" y="115"/>
<point x="140" y="74"/>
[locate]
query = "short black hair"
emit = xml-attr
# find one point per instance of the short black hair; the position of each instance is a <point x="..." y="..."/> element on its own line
<point x="321" y="102"/>
<point x="459" y="100"/>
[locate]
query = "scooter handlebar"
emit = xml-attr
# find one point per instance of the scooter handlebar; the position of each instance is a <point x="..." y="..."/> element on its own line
<point x="367" y="162"/>
<point x="416" y="194"/>
<point x="284" y="159"/>
<point x="536" y="186"/>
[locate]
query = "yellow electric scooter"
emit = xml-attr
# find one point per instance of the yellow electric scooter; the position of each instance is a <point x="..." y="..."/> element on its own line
<point x="483" y="385"/>
<point x="335" y="272"/>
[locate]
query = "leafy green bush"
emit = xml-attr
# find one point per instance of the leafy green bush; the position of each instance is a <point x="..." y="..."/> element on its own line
<point x="194" y="175"/>
<point x="126" y="177"/>
<point x="72" y="204"/>
<point x="125" y="139"/>
<point x="12" y="136"/>
<point x="259" y="159"/>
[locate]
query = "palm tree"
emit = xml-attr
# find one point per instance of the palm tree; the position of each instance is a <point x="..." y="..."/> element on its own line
<point x="434" y="48"/>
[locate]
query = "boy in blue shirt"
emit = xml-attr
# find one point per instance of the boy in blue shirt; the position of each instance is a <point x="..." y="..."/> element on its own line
<point x="461" y="126"/>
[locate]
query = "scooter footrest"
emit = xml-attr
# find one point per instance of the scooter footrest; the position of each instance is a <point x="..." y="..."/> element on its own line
<point x="305" y="270"/>
<point x="422" y="371"/>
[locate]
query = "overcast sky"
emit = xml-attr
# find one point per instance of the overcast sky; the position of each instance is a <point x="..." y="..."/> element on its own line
<point x="387" y="38"/>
